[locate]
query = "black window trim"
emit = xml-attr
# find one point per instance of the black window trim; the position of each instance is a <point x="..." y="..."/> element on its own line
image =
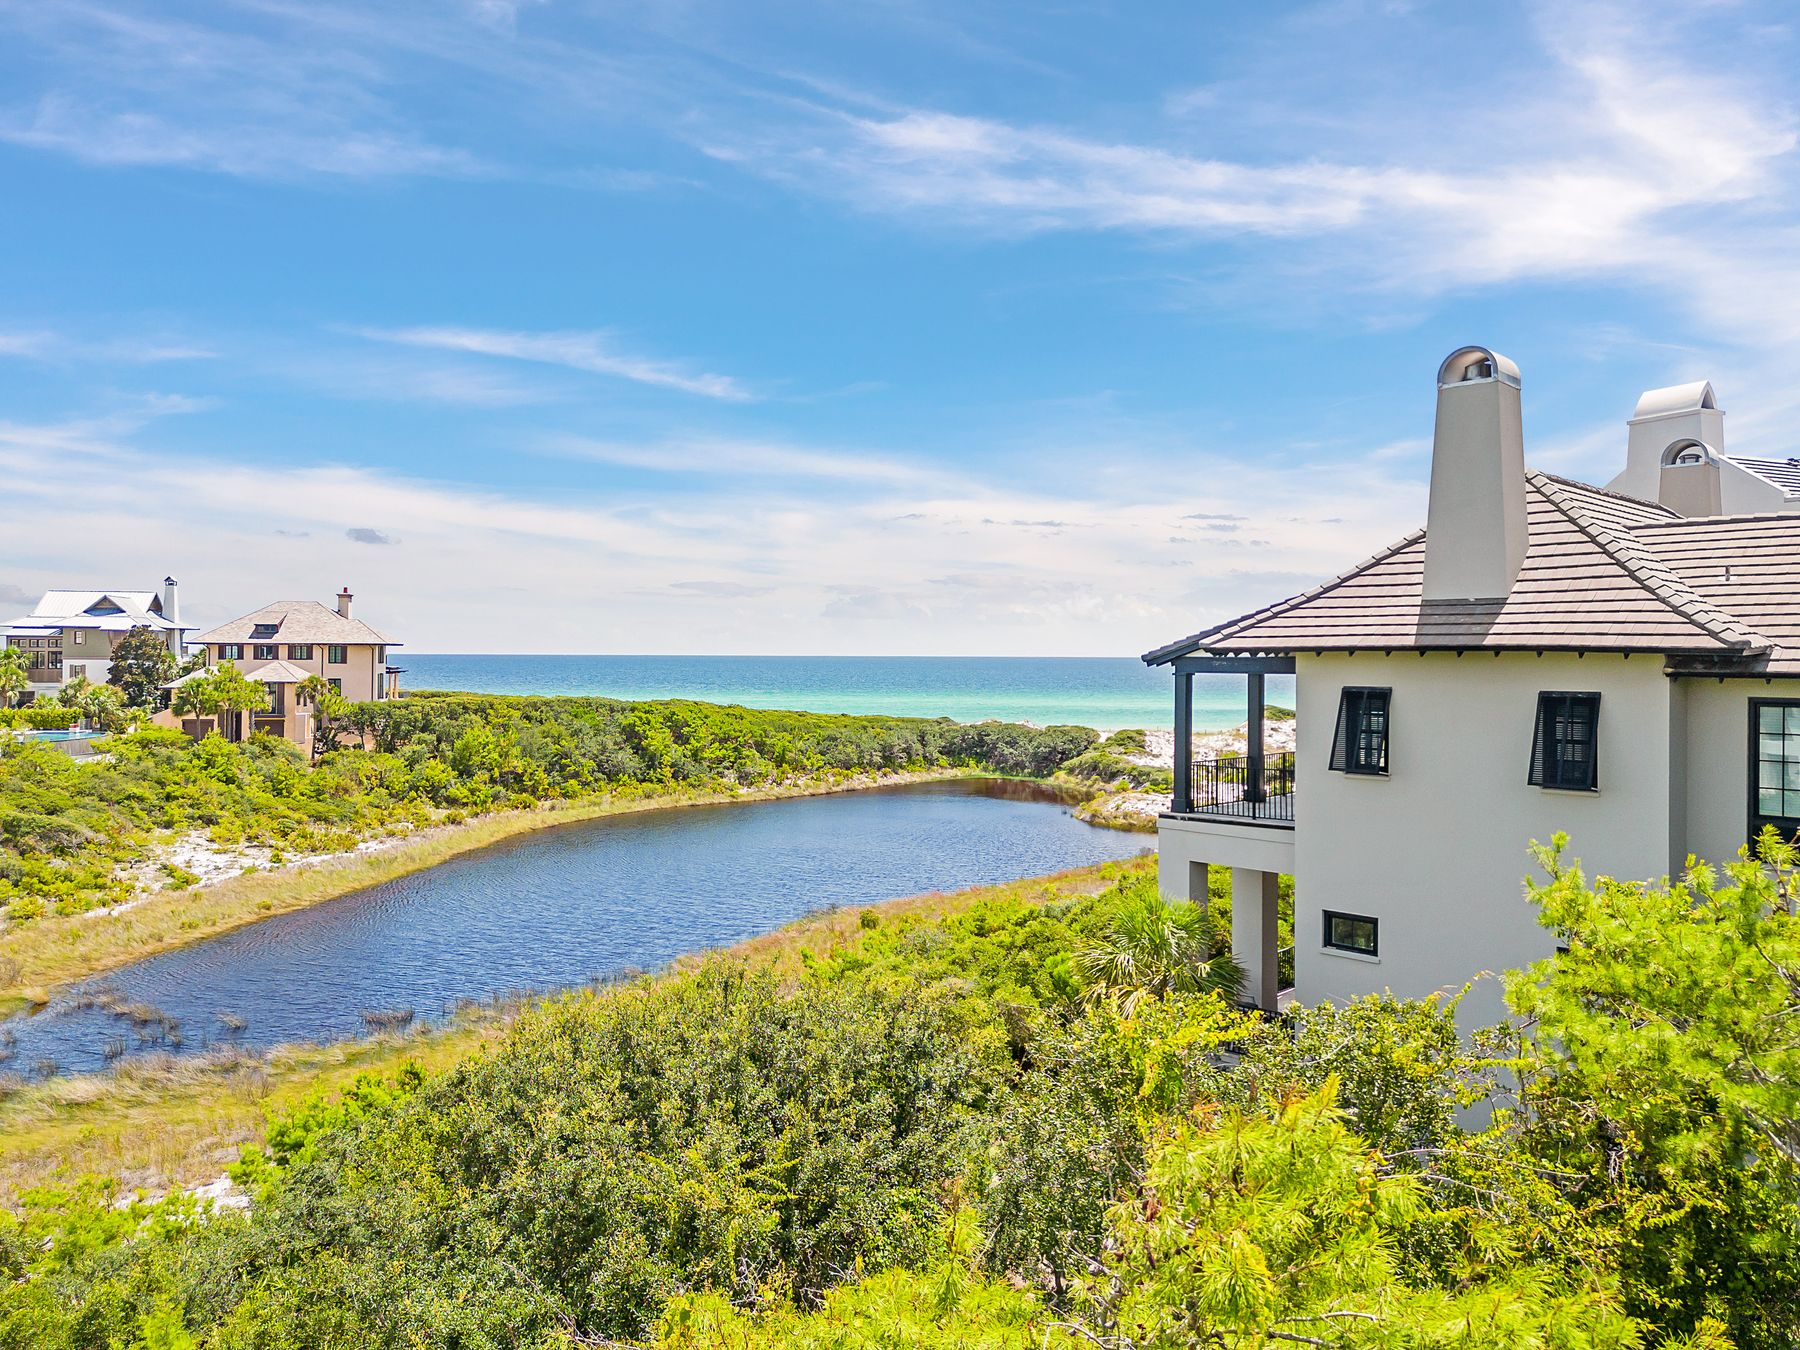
<point x="1785" y="826"/>
<point x="1373" y="949"/>
<point x="1537" y="769"/>
<point x="1344" y="736"/>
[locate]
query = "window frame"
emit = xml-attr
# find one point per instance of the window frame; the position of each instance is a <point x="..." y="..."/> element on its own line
<point x="265" y="651"/>
<point x="1755" y="818"/>
<point x="231" y="651"/>
<point x="1345" y="738"/>
<point x="337" y="685"/>
<point x="1372" y="950"/>
<point x="1537" y="771"/>
<point x="300" y="651"/>
<point x="337" y="654"/>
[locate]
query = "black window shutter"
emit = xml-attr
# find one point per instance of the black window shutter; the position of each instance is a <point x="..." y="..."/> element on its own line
<point x="1340" y="740"/>
<point x="1565" y="742"/>
<point x="1360" y="743"/>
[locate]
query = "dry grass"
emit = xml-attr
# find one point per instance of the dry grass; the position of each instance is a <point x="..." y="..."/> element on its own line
<point x="165" y="1122"/>
<point x="55" y="950"/>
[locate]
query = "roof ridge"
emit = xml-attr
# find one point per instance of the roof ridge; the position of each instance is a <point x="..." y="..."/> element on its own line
<point x="1654" y="575"/>
<point x="1746" y="516"/>
<point x="1604" y="492"/>
<point x="1220" y="629"/>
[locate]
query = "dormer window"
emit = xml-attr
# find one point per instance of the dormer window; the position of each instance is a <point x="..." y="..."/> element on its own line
<point x="264" y="630"/>
<point x="104" y="605"/>
<point x="1684" y="453"/>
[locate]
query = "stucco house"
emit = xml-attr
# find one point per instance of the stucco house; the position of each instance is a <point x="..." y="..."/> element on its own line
<point x="1544" y="655"/>
<point x="283" y="643"/>
<point x="70" y="633"/>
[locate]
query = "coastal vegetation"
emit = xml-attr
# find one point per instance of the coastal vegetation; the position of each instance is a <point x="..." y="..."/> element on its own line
<point x="934" y="1126"/>
<point x="421" y="779"/>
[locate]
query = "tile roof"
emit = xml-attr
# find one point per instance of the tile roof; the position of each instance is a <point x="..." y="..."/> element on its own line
<point x="298" y="621"/>
<point x="1602" y="572"/>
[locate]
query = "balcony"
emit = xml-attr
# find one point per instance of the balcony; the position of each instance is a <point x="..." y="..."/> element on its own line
<point x="1249" y="788"/>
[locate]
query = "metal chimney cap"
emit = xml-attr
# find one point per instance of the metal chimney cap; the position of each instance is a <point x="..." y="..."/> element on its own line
<point x="1470" y="365"/>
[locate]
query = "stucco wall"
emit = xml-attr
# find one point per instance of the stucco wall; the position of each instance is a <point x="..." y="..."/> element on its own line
<point x="1437" y="849"/>
<point x="362" y="674"/>
<point x="1718" y="788"/>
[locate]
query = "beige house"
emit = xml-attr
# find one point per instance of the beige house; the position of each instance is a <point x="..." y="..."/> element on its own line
<point x="70" y="633"/>
<point x="1543" y="656"/>
<point x="284" y="643"/>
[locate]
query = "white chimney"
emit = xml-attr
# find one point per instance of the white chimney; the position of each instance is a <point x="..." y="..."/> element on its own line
<point x="1475" y="532"/>
<point x="1688" y="482"/>
<point x="344" y="599"/>
<point x="171" y="610"/>
<point x="1664" y="423"/>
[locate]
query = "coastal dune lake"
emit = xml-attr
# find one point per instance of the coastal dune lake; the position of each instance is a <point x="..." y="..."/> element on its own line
<point x="557" y="908"/>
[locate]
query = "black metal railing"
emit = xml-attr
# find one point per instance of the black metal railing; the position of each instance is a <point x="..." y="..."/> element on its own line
<point x="1231" y="787"/>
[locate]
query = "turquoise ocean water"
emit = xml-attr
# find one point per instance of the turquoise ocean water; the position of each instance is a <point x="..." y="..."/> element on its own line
<point x="1102" y="691"/>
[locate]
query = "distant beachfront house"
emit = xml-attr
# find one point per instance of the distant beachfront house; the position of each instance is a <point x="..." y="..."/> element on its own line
<point x="1623" y="665"/>
<point x="70" y="633"/>
<point x="283" y="643"/>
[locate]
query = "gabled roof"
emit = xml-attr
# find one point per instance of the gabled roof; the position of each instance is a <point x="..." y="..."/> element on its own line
<point x="269" y="672"/>
<point x="1593" y="579"/>
<point x="298" y="621"/>
<point x="109" y="611"/>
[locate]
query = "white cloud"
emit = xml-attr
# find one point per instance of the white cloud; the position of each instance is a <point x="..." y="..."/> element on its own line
<point x="595" y="353"/>
<point x="870" y="566"/>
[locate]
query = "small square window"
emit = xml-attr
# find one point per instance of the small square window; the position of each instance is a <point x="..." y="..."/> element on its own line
<point x="267" y="651"/>
<point x="1352" y="933"/>
<point x="1565" y="743"/>
<point x="337" y="655"/>
<point x="337" y="685"/>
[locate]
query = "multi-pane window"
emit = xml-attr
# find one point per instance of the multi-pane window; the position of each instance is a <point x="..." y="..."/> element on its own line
<point x="264" y="630"/>
<point x="1775" y="766"/>
<point x="336" y="655"/>
<point x="300" y="651"/>
<point x="231" y="651"/>
<point x="1565" y="747"/>
<point x="267" y="651"/>
<point x="337" y="685"/>
<point x="1360" y="744"/>
<point x="1352" y="933"/>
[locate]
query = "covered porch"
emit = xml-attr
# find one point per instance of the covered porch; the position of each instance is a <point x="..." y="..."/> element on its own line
<point x="1257" y="787"/>
<point x="1233" y="813"/>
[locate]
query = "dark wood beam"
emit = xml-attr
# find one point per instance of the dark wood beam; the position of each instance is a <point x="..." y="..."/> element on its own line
<point x="1184" y="742"/>
<point x="1233" y="665"/>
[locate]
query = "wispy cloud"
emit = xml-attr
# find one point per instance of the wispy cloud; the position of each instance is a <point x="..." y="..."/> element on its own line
<point x="362" y="534"/>
<point x="719" y="456"/>
<point x="595" y="353"/>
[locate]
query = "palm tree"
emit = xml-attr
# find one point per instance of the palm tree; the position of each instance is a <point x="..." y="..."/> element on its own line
<point x="1151" y="949"/>
<point x="329" y="708"/>
<point x="236" y="694"/>
<point x="14" y="679"/>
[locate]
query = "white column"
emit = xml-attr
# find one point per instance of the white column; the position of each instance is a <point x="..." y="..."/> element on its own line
<point x="1255" y="936"/>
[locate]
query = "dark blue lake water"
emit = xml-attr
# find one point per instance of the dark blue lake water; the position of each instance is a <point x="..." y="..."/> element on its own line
<point x="564" y="906"/>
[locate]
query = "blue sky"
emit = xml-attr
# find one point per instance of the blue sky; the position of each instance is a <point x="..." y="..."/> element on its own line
<point x="901" y="326"/>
